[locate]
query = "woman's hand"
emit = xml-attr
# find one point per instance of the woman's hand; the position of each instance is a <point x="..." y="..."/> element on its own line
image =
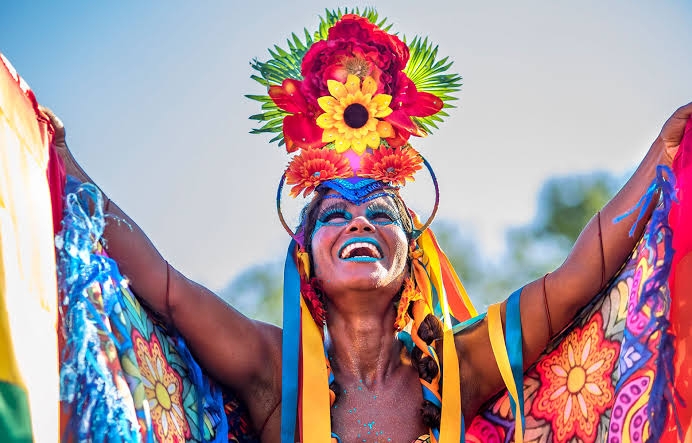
<point x="58" y="127"/>
<point x="71" y="165"/>
<point x="672" y="132"/>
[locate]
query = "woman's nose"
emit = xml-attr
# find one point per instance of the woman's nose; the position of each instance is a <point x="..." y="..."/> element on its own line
<point x="361" y="224"/>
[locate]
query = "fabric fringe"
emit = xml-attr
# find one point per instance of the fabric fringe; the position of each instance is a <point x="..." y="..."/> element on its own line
<point x="99" y="411"/>
<point x="656" y="295"/>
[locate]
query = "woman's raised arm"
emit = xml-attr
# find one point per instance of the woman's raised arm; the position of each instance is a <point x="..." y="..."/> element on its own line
<point x="242" y="353"/>
<point x="549" y="304"/>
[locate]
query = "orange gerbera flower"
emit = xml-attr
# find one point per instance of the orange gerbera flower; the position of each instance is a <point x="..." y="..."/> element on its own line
<point x="314" y="166"/>
<point x="391" y="165"/>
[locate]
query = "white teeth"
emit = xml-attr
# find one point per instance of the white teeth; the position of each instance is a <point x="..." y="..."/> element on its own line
<point x="346" y="252"/>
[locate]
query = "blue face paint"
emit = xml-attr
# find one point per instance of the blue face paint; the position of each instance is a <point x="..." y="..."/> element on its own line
<point x="337" y="214"/>
<point x="382" y="214"/>
<point x="333" y="215"/>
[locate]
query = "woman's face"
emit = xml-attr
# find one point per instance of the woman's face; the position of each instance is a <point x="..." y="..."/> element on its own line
<point x="359" y="247"/>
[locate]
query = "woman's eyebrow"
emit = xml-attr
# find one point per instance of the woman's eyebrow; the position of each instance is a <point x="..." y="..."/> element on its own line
<point x="336" y="203"/>
<point x="382" y="203"/>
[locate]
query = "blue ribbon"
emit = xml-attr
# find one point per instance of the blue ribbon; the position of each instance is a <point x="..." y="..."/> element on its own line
<point x="406" y="339"/>
<point x="428" y="395"/>
<point x="467" y="323"/>
<point x="513" y="341"/>
<point x="290" y="348"/>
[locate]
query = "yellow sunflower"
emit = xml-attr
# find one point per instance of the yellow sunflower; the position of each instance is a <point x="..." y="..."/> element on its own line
<point x="352" y="115"/>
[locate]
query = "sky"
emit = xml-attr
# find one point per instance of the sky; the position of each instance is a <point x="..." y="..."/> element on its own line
<point x="152" y="96"/>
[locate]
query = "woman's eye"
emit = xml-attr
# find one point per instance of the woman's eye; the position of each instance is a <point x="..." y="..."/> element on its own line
<point x="333" y="216"/>
<point x="381" y="216"/>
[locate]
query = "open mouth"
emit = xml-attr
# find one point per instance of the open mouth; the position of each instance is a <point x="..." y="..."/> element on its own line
<point x="360" y="250"/>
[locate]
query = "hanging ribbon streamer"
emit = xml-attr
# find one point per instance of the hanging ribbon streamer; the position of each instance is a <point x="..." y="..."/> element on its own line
<point x="497" y="342"/>
<point x="290" y="348"/>
<point x="450" y="423"/>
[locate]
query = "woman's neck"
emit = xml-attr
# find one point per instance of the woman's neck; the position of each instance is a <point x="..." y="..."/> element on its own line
<point x="362" y="345"/>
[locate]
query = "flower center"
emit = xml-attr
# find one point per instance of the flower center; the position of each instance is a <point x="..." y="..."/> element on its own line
<point x="162" y="396"/>
<point x="576" y="379"/>
<point x="357" y="66"/>
<point x="356" y="116"/>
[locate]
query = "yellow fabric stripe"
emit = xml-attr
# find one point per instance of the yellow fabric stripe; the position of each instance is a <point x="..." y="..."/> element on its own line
<point x="28" y="296"/>
<point x="9" y="372"/>
<point x="450" y="424"/>
<point x="315" y="410"/>
<point x="497" y="342"/>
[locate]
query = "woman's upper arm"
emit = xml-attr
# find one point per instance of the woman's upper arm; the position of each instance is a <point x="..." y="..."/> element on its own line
<point x="563" y="296"/>
<point x="480" y="372"/>
<point x="242" y="353"/>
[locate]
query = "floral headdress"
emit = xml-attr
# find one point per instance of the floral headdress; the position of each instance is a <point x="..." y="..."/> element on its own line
<point x="349" y="98"/>
<point x="345" y="103"/>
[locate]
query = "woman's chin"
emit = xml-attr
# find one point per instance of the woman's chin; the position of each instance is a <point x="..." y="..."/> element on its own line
<point x="363" y="280"/>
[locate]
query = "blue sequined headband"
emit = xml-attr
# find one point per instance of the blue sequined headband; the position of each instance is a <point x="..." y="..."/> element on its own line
<point x="357" y="191"/>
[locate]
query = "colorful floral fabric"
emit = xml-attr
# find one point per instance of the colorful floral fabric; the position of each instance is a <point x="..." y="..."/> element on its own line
<point x="162" y="383"/>
<point x="594" y="382"/>
<point x="143" y="371"/>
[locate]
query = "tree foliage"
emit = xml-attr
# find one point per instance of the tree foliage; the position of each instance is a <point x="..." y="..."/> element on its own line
<point x="258" y="292"/>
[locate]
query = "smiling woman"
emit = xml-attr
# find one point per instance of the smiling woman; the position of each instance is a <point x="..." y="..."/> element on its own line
<point x="379" y="342"/>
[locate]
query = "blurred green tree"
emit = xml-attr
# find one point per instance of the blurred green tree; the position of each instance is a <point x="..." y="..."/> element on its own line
<point x="258" y="292"/>
<point x="565" y="205"/>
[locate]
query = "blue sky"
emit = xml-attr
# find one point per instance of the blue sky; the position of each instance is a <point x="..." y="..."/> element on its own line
<point x="152" y="96"/>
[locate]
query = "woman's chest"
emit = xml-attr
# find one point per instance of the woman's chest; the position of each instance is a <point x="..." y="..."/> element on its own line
<point x="383" y="414"/>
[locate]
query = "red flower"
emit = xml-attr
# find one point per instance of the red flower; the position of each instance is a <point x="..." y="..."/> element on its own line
<point x="314" y="166"/>
<point x="408" y="102"/>
<point x="300" y="129"/>
<point x="354" y="46"/>
<point x="357" y="28"/>
<point x="391" y="165"/>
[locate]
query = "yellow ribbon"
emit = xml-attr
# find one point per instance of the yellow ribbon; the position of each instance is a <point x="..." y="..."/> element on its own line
<point x="497" y="342"/>
<point x="315" y="423"/>
<point x="450" y="424"/>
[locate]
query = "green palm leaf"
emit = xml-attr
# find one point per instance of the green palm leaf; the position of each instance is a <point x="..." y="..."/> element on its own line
<point x="428" y="74"/>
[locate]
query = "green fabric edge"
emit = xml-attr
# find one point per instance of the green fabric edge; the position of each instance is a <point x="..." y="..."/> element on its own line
<point x="15" y="418"/>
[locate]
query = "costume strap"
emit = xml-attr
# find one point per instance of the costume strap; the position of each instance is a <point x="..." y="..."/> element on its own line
<point x="497" y="342"/>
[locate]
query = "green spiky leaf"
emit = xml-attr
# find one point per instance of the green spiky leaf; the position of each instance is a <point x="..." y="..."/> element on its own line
<point x="429" y="75"/>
